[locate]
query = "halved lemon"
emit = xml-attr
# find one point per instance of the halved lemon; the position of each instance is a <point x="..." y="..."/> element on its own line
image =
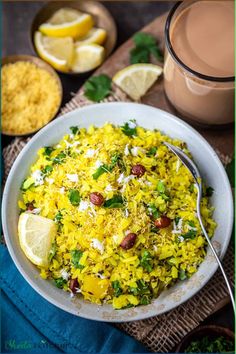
<point x="67" y="22"/>
<point x="36" y="235"/>
<point x="136" y="79"/>
<point x="94" y="36"/>
<point x="87" y="57"/>
<point x="58" y="52"/>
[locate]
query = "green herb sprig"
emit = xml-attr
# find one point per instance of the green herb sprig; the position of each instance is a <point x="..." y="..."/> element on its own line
<point x="145" y="45"/>
<point x="97" y="87"/>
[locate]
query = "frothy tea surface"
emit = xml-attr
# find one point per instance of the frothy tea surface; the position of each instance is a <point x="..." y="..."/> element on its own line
<point x="203" y="37"/>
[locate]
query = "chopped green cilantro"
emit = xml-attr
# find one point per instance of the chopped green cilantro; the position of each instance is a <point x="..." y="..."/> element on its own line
<point x="101" y="169"/>
<point x="47" y="170"/>
<point x="146" y="261"/>
<point x="75" y="258"/>
<point x="59" y="158"/>
<point x="191" y="234"/>
<point x="152" y="151"/>
<point x="129" y="128"/>
<point x="153" y="211"/>
<point x="117" y="288"/>
<point x="115" y="202"/>
<point x="60" y="282"/>
<point x="74" y="130"/>
<point x="74" y="197"/>
<point x="48" y="150"/>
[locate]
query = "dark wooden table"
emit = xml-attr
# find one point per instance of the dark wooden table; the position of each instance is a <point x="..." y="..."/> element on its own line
<point x="129" y="17"/>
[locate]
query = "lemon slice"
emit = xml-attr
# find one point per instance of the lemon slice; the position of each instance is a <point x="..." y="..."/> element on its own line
<point x="94" y="36"/>
<point x="136" y="79"/>
<point x="36" y="235"/>
<point x="58" y="52"/>
<point x="67" y="22"/>
<point x="87" y="57"/>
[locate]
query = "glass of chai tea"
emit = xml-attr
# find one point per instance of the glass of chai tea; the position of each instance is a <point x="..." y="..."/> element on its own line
<point x="199" y="61"/>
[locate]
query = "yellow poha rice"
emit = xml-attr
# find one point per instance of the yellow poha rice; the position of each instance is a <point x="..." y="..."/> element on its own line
<point x="30" y="97"/>
<point x="88" y="243"/>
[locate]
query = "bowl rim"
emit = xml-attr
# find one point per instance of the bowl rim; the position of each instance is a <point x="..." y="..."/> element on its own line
<point x="11" y="59"/>
<point x="16" y="165"/>
<point x="107" y="54"/>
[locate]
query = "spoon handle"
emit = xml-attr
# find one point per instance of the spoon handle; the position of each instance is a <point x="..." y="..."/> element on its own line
<point x="214" y="252"/>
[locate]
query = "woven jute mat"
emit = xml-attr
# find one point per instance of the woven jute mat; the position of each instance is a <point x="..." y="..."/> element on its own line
<point x="159" y="333"/>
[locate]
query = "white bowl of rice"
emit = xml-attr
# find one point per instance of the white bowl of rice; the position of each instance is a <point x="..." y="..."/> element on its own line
<point x="128" y="244"/>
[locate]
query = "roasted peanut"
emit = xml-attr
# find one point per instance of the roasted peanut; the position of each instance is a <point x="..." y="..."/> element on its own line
<point x="96" y="198"/>
<point x="129" y="241"/>
<point x="162" y="222"/>
<point x="138" y="170"/>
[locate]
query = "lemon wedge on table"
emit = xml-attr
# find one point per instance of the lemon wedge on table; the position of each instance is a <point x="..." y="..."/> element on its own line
<point x="58" y="52"/>
<point x="136" y="79"/>
<point x="94" y="36"/>
<point x="87" y="57"/>
<point x="67" y="22"/>
<point x="36" y="235"/>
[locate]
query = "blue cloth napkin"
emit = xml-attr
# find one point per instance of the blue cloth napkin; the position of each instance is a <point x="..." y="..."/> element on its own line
<point x="30" y="324"/>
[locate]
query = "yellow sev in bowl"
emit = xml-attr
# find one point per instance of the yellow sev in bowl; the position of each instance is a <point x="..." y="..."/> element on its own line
<point x="30" y="97"/>
<point x="90" y="186"/>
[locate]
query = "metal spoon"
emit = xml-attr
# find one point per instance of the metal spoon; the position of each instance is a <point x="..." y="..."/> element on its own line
<point x="197" y="178"/>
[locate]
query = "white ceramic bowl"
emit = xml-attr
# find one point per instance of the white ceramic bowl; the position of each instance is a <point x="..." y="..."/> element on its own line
<point x="211" y="170"/>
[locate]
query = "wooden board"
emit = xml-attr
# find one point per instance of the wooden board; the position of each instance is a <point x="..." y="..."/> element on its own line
<point x="221" y="139"/>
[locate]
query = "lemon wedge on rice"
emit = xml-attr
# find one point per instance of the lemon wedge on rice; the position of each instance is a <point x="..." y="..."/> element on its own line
<point x="36" y="235"/>
<point x="94" y="36"/>
<point x="58" y="52"/>
<point x="136" y="79"/>
<point x="67" y="22"/>
<point x="87" y="57"/>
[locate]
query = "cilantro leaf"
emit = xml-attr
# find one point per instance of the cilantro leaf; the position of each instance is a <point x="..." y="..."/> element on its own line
<point x="75" y="258"/>
<point x="129" y="128"/>
<point x="74" y="130"/>
<point x="191" y="234"/>
<point x="153" y="211"/>
<point x="47" y="170"/>
<point x="152" y="151"/>
<point x="60" y="282"/>
<point x="145" y="261"/>
<point x="101" y="169"/>
<point x="48" y="150"/>
<point x="139" y="55"/>
<point x="145" y="300"/>
<point x="97" y="87"/>
<point x="145" y="45"/>
<point x="142" y="39"/>
<point x="58" y="217"/>
<point x="115" y="202"/>
<point x="59" y="158"/>
<point x="117" y="288"/>
<point x="74" y="197"/>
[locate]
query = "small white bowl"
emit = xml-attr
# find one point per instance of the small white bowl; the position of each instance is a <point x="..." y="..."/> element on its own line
<point x="211" y="170"/>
